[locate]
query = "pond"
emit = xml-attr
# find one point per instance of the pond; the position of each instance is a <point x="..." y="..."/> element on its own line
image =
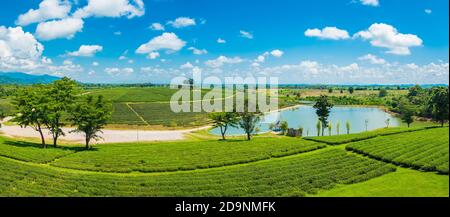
<point x="305" y="116"/>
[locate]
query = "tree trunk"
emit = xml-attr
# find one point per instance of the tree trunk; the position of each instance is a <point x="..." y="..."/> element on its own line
<point x="87" y="143"/>
<point x="442" y="123"/>
<point x="223" y="131"/>
<point x="408" y="125"/>
<point x="42" y="136"/>
<point x="248" y="136"/>
<point x="55" y="140"/>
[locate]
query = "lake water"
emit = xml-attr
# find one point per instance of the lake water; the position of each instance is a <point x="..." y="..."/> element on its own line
<point x="305" y="116"/>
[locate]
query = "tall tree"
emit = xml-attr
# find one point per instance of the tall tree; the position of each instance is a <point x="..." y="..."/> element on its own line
<point x="31" y="106"/>
<point x="248" y="120"/>
<point x="440" y="104"/>
<point x="224" y="120"/>
<point x="89" y="116"/>
<point x="323" y="107"/>
<point x="330" y="128"/>
<point x="62" y="94"/>
<point x="318" y="127"/>
<point x="284" y="127"/>
<point x="338" y="127"/>
<point x="407" y="111"/>
<point x="351" y="90"/>
<point x="347" y="126"/>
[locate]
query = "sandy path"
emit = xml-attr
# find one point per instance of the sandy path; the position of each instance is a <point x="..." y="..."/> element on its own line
<point x="109" y="136"/>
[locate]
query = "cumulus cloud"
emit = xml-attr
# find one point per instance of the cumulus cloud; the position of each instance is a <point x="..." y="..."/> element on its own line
<point x="277" y="53"/>
<point x="182" y="22"/>
<point x="65" y="28"/>
<point x="95" y="64"/>
<point x="157" y="27"/>
<point x="19" y="50"/>
<point x="246" y="34"/>
<point x="222" y="60"/>
<point x="111" y="8"/>
<point x="221" y="41"/>
<point x="48" y="9"/>
<point x="386" y="36"/>
<point x="198" y="51"/>
<point x="166" y="41"/>
<point x="331" y="33"/>
<point x="428" y="11"/>
<point x="311" y="72"/>
<point x="86" y="51"/>
<point x="119" y="71"/>
<point x="372" y="59"/>
<point x="153" y="55"/>
<point x="187" y="65"/>
<point x="374" y="3"/>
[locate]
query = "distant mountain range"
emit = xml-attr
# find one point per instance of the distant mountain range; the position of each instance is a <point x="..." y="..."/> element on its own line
<point x="23" y="78"/>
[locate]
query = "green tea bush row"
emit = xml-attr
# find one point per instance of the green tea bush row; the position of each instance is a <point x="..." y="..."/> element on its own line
<point x="297" y="175"/>
<point x="422" y="150"/>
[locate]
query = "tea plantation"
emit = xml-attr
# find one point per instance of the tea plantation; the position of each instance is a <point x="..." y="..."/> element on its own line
<point x="265" y="166"/>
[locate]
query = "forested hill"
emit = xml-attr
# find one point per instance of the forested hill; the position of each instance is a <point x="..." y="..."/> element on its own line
<point x="23" y="78"/>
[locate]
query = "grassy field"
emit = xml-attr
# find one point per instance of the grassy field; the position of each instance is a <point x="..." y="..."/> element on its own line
<point x="401" y="183"/>
<point x="266" y="166"/>
<point x="424" y="150"/>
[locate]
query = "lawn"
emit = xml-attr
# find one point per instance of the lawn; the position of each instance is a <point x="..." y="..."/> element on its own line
<point x="173" y="156"/>
<point x="425" y="150"/>
<point x="402" y="183"/>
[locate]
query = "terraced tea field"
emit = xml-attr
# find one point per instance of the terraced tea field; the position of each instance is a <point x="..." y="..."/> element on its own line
<point x="172" y="156"/>
<point x="265" y="166"/>
<point x="293" y="176"/>
<point x="424" y="150"/>
<point x="346" y="138"/>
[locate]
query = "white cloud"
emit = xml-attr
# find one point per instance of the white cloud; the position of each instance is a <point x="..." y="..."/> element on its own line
<point x="119" y="71"/>
<point x="86" y="51"/>
<point x="373" y="59"/>
<point x="48" y="9"/>
<point x="117" y="33"/>
<point x="65" y="28"/>
<point x="182" y="22"/>
<point x="331" y="33"/>
<point x="198" y="51"/>
<point x="428" y="11"/>
<point x="374" y="3"/>
<point x="221" y="41"/>
<point x="313" y="72"/>
<point x="157" y="27"/>
<point x="187" y="65"/>
<point x="166" y="41"/>
<point x="153" y="55"/>
<point x="246" y="34"/>
<point x="95" y="64"/>
<point x="221" y="60"/>
<point x="19" y="50"/>
<point x="111" y="8"/>
<point x="386" y="36"/>
<point x="277" y="53"/>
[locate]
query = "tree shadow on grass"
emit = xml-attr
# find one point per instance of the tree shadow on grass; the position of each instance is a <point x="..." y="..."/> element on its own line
<point x="36" y="145"/>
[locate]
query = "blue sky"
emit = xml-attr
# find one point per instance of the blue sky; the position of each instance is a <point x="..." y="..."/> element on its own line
<point x="320" y="41"/>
